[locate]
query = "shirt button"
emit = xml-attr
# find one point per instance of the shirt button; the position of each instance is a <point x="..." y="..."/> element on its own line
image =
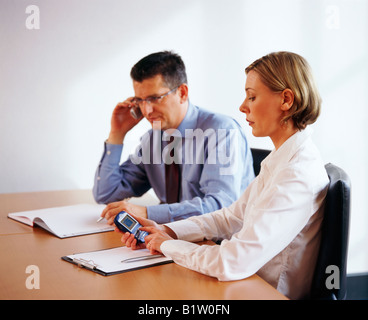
<point x="108" y="152"/>
<point x="98" y="178"/>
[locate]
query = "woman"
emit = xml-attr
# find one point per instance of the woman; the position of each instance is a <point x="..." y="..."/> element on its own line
<point x="274" y="228"/>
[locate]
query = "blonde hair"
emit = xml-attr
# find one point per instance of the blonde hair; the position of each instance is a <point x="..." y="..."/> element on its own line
<point x="286" y="70"/>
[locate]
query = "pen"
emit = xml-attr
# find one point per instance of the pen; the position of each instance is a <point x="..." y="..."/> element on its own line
<point x="153" y="256"/>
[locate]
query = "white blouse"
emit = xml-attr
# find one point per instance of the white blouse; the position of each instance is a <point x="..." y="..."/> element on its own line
<point x="273" y="229"/>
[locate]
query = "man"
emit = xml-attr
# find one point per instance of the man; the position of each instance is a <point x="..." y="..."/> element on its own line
<point x="210" y="157"/>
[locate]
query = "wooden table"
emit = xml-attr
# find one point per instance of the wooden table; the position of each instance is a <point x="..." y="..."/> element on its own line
<point x="22" y="246"/>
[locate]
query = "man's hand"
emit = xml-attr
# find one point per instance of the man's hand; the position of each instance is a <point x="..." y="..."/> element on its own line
<point x="121" y="122"/>
<point x="113" y="208"/>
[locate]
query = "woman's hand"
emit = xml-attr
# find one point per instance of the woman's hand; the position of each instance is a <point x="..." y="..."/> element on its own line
<point x="157" y="235"/>
<point x="155" y="238"/>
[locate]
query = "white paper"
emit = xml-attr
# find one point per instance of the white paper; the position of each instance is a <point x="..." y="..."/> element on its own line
<point x="67" y="221"/>
<point x="110" y="260"/>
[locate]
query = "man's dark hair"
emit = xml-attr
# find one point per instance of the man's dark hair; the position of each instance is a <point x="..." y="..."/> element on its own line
<point x="165" y="63"/>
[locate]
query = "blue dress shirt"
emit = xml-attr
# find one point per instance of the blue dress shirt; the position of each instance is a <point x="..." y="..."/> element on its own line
<point x="216" y="167"/>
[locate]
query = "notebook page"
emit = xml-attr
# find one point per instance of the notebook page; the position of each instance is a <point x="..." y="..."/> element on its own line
<point x="68" y="221"/>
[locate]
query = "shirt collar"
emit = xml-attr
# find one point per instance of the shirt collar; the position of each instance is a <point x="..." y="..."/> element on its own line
<point x="189" y="122"/>
<point x="287" y="150"/>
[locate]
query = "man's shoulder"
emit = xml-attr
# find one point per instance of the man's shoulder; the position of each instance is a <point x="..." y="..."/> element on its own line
<point x="209" y="119"/>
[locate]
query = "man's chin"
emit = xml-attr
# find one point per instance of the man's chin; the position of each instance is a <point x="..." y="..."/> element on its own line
<point x="157" y="125"/>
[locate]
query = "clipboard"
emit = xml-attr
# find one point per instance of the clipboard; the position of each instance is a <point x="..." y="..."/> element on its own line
<point x="118" y="260"/>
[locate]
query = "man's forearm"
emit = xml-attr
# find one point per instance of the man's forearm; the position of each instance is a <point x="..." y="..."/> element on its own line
<point x="116" y="138"/>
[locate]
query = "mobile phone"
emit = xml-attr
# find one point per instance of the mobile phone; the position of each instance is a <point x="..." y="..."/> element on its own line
<point x="126" y="223"/>
<point x="135" y="112"/>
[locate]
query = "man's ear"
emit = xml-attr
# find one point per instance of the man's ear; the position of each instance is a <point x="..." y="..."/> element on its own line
<point x="183" y="92"/>
<point x="287" y="99"/>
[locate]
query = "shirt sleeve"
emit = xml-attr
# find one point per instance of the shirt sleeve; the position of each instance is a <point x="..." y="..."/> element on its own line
<point x="114" y="182"/>
<point x="263" y="226"/>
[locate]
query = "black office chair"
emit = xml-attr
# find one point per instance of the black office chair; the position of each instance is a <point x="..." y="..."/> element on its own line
<point x="335" y="236"/>
<point x="258" y="156"/>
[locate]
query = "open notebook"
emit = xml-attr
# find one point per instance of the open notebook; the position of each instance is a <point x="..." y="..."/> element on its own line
<point x="75" y="220"/>
<point x="116" y="260"/>
<point x="67" y="221"/>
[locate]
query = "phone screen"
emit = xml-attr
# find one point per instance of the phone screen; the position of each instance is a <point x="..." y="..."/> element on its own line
<point x="129" y="222"/>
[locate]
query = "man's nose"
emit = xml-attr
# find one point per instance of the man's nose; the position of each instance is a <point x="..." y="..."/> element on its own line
<point x="146" y="108"/>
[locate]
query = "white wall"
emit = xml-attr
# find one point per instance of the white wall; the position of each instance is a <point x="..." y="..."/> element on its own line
<point x="59" y="84"/>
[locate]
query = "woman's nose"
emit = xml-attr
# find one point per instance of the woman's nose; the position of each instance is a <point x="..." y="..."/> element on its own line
<point x="243" y="107"/>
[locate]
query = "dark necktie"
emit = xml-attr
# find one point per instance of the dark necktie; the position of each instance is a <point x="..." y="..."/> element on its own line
<point x="172" y="179"/>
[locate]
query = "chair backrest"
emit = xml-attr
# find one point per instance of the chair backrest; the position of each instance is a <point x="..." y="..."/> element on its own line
<point x="258" y="156"/>
<point x="334" y="241"/>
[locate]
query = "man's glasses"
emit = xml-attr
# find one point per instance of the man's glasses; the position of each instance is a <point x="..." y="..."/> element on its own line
<point x="153" y="100"/>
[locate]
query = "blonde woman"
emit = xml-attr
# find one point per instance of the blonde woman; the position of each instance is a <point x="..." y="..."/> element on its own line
<point x="273" y="229"/>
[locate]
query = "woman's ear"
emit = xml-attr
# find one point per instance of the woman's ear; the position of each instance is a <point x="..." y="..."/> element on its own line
<point x="288" y="99"/>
